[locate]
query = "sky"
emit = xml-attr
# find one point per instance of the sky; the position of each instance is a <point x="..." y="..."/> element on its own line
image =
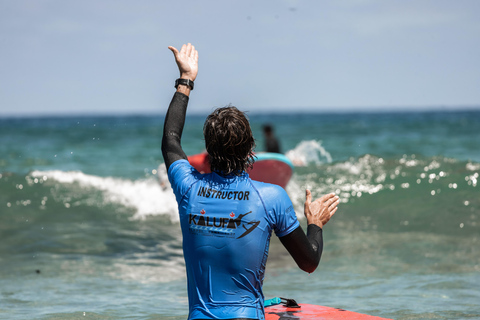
<point x="61" y="57"/>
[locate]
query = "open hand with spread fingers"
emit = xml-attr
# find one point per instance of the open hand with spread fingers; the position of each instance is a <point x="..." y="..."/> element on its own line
<point x="322" y="209"/>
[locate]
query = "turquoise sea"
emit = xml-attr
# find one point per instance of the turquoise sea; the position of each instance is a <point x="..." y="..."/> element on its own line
<point x="88" y="232"/>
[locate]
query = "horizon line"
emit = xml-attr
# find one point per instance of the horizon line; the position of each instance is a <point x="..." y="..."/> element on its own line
<point x="264" y="111"/>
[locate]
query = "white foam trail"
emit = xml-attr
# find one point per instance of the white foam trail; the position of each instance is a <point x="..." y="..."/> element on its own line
<point x="309" y="152"/>
<point x="146" y="196"/>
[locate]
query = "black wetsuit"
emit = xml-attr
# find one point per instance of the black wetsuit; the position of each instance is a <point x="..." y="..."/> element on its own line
<point x="272" y="145"/>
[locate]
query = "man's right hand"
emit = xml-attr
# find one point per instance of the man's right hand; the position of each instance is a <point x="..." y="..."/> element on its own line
<point x="187" y="61"/>
<point x="322" y="209"/>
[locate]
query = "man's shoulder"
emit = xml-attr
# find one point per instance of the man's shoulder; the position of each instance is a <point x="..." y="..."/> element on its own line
<point x="268" y="189"/>
<point x="181" y="164"/>
<point x="182" y="177"/>
<point x="180" y="170"/>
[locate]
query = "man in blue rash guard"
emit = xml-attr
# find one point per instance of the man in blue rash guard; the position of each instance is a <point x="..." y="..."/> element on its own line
<point x="226" y="218"/>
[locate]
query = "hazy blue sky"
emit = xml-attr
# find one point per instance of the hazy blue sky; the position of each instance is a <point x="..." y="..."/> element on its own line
<point x="66" y="57"/>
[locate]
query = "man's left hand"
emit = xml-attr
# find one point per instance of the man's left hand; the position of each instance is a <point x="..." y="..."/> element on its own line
<point x="187" y="61"/>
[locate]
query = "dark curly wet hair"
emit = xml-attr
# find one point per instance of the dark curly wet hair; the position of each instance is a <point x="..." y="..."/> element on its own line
<point x="229" y="141"/>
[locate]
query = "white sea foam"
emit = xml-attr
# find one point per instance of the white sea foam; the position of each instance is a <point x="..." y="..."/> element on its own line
<point x="145" y="196"/>
<point x="309" y="152"/>
<point x="348" y="179"/>
<point x="472" y="166"/>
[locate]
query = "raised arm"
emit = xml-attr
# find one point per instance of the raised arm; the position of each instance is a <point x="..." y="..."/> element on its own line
<point x="307" y="250"/>
<point x="187" y="62"/>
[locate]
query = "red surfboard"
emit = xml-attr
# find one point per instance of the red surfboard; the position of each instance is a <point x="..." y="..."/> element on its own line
<point x="269" y="167"/>
<point x="310" y="311"/>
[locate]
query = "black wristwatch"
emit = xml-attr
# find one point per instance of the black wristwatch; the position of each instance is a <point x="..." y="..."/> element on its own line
<point x="185" y="82"/>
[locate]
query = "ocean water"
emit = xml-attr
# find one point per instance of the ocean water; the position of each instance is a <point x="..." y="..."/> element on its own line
<point x="88" y="230"/>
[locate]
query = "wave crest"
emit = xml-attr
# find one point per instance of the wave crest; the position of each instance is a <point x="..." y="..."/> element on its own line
<point x="145" y="196"/>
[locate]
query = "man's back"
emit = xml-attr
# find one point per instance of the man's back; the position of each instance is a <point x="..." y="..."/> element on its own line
<point x="226" y="225"/>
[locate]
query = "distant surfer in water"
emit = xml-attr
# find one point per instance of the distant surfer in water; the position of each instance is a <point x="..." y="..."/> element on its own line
<point x="226" y="218"/>
<point x="271" y="142"/>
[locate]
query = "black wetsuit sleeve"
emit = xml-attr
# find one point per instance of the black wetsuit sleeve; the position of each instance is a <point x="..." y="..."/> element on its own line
<point x="173" y="128"/>
<point x="305" y="250"/>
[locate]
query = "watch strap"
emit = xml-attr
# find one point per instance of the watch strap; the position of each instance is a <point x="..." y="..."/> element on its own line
<point x="185" y="82"/>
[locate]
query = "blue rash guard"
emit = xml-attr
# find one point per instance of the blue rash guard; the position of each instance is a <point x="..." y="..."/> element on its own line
<point x="227" y="223"/>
